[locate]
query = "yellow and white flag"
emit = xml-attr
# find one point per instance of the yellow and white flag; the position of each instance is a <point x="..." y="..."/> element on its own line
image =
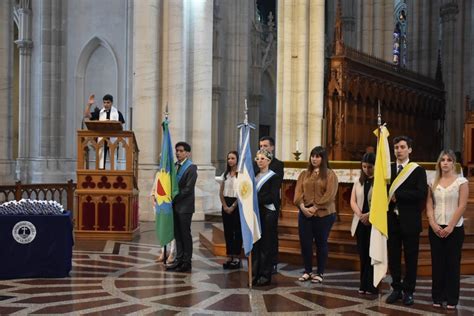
<point x="379" y="206"/>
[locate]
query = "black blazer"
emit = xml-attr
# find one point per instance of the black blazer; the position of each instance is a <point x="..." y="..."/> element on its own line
<point x="270" y="192"/>
<point x="184" y="202"/>
<point x="411" y="196"/>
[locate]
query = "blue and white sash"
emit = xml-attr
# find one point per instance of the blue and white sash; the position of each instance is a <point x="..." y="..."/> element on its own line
<point x="183" y="168"/>
<point x="264" y="179"/>
<point x="261" y="182"/>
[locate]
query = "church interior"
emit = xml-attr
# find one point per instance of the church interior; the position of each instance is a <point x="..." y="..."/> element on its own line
<point x="305" y="72"/>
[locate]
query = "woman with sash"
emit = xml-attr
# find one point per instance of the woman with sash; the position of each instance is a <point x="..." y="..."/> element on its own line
<point x="315" y="195"/>
<point x="445" y="206"/>
<point x="230" y="213"/>
<point x="268" y="188"/>
<point x="360" y="204"/>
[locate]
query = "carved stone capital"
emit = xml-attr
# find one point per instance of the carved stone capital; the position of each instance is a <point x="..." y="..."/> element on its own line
<point x="449" y="11"/>
<point x="25" y="46"/>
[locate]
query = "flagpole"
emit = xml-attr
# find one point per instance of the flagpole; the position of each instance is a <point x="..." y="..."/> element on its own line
<point x="249" y="263"/>
<point x="240" y="126"/>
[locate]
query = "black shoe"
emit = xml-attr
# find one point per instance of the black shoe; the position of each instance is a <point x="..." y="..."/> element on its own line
<point x="185" y="267"/>
<point x="263" y="281"/>
<point x="373" y="291"/>
<point x="274" y="269"/>
<point x="174" y="265"/>
<point x="226" y="265"/>
<point x="234" y="265"/>
<point x="393" y="297"/>
<point x="254" y="281"/>
<point x="408" y="299"/>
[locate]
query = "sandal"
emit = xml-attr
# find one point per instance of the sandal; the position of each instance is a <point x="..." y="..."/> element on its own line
<point x="305" y="277"/>
<point x="317" y="278"/>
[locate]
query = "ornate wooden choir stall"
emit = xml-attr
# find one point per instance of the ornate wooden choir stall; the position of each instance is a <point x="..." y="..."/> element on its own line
<point x="411" y="104"/>
<point x="107" y="174"/>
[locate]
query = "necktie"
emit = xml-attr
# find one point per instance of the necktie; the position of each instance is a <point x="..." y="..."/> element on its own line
<point x="400" y="168"/>
<point x="178" y="166"/>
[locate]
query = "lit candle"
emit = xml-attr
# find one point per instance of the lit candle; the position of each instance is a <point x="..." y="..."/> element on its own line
<point x="297" y="146"/>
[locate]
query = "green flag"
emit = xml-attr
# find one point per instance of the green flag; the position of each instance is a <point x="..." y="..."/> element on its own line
<point x="164" y="190"/>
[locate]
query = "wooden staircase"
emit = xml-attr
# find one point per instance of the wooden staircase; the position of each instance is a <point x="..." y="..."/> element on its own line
<point x="342" y="247"/>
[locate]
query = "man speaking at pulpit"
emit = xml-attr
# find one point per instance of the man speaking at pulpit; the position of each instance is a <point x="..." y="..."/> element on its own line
<point x="108" y="112"/>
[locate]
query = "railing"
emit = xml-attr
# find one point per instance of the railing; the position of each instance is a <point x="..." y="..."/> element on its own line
<point x="60" y="192"/>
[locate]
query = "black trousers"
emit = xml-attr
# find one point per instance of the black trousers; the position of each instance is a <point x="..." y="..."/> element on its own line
<point x="262" y="253"/>
<point x="182" y="235"/>
<point x="446" y="265"/>
<point x="366" y="268"/>
<point x="410" y="243"/>
<point x="317" y="229"/>
<point x="232" y="230"/>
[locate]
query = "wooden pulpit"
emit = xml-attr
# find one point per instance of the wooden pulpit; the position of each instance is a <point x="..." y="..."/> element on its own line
<point x="107" y="187"/>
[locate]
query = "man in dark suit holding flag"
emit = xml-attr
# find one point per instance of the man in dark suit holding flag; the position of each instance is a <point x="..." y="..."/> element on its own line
<point x="407" y="194"/>
<point x="183" y="208"/>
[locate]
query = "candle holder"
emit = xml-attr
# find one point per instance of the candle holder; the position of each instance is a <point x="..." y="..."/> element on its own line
<point x="297" y="155"/>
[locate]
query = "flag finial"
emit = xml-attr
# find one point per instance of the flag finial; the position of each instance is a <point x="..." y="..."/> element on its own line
<point x="379" y="116"/>
<point x="166" y="111"/>
<point x="246" y="118"/>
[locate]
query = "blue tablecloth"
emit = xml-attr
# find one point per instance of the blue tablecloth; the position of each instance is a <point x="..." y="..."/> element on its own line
<point x="35" y="246"/>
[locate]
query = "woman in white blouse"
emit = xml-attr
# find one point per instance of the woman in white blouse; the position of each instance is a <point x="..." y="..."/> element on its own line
<point x="230" y="213"/>
<point x="445" y="206"/>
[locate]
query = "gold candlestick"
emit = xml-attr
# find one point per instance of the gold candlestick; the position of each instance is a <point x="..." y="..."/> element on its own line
<point x="297" y="155"/>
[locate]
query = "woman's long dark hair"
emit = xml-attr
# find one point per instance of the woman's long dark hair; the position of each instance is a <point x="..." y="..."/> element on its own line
<point x="319" y="151"/>
<point x="367" y="158"/>
<point x="229" y="168"/>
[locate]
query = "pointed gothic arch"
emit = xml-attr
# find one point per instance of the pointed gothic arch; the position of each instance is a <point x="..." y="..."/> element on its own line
<point x="83" y="62"/>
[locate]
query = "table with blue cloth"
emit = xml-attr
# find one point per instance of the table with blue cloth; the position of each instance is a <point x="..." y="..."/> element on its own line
<point x="35" y="246"/>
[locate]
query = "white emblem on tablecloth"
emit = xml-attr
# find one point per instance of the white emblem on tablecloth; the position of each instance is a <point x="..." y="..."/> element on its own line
<point x="24" y="232"/>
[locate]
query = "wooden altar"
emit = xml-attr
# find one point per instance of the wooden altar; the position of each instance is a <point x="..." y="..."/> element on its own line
<point x="411" y="104"/>
<point x="106" y="196"/>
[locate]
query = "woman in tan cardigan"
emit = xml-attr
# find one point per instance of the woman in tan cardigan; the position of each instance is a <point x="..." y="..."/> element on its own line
<point x="315" y="195"/>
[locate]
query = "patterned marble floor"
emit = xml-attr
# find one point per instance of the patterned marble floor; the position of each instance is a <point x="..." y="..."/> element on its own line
<point x="117" y="278"/>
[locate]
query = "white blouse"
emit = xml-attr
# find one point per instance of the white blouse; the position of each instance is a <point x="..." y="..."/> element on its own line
<point x="229" y="190"/>
<point x="446" y="201"/>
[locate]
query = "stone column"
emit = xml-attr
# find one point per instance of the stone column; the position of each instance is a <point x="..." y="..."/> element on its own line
<point x="200" y="81"/>
<point x="423" y="36"/>
<point x="7" y="167"/>
<point x="146" y="119"/>
<point x="25" y="45"/>
<point x="451" y="24"/>
<point x="173" y="54"/>
<point x="300" y="77"/>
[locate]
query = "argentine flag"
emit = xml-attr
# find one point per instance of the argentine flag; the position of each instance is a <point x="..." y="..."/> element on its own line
<point x="247" y="194"/>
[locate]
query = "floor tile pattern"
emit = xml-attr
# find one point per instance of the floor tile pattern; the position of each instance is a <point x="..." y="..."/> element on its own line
<point x="118" y="278"/>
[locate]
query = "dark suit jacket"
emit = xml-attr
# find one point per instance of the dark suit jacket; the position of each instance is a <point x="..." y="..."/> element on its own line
<point x="270" y="192"/>
<point x="184" y="202"/>
<point x="410" y="197"/>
